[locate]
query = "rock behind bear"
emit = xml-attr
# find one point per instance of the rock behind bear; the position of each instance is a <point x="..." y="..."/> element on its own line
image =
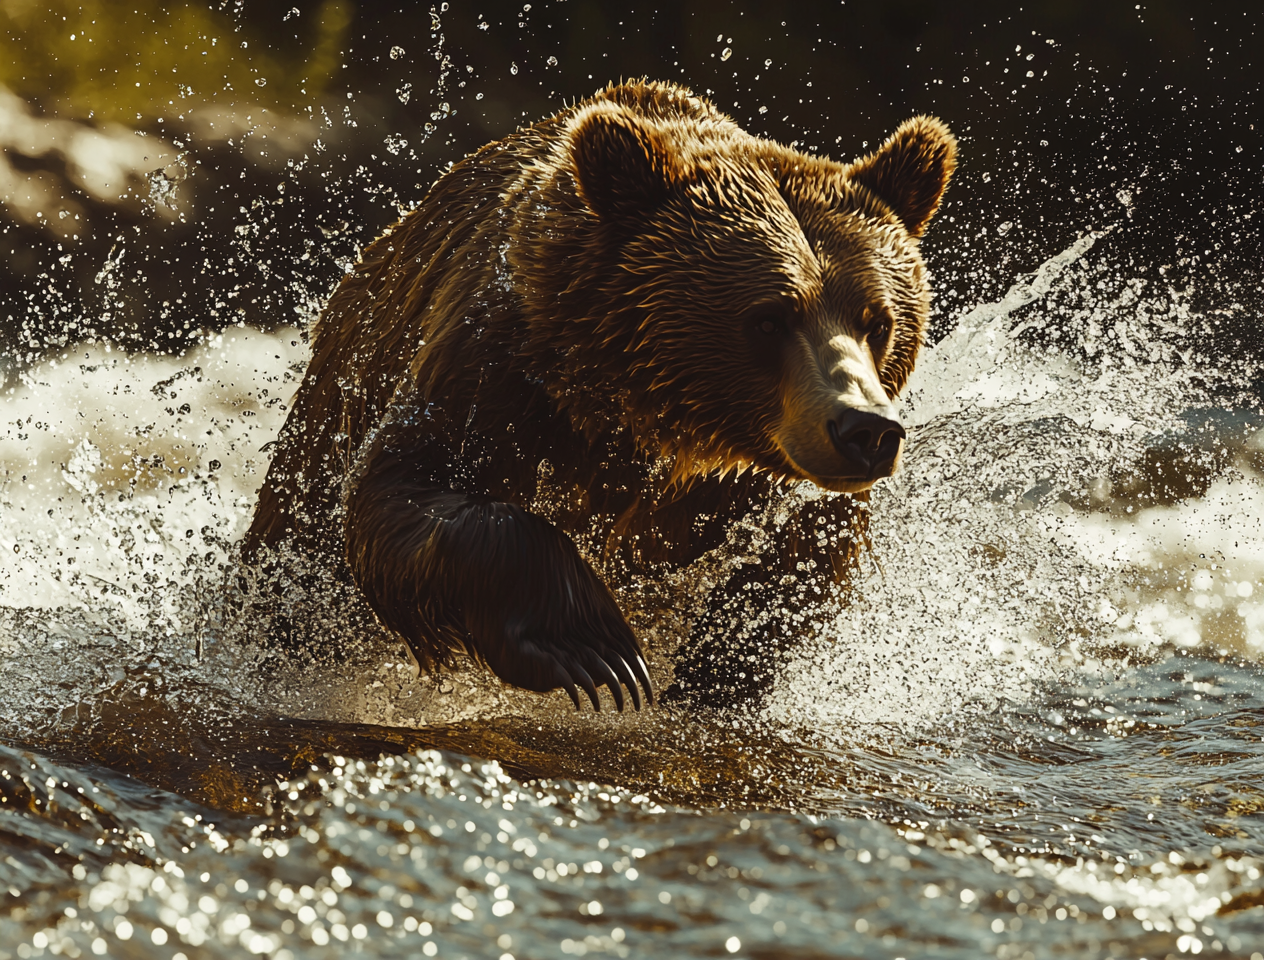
<point x="620" y="329"/>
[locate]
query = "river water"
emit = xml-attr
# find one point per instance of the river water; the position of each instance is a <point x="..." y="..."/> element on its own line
<point x="1031" y="729"/>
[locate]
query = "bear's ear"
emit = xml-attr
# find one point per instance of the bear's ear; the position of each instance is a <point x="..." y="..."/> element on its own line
<point x="910" y="171"/>
<point x="623" y="167"/>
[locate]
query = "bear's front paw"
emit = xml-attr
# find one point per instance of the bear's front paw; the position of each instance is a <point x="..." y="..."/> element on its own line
<point x="571" y="655"/>
<point x="444" y="568"/>
<point x="541" y="618"/>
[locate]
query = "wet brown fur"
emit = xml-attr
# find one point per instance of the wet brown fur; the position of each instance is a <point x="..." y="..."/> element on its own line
<point x="563" y="313"/>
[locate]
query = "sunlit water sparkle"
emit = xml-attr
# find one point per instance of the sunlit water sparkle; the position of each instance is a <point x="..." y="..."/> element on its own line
<point x="1030" y="730"/>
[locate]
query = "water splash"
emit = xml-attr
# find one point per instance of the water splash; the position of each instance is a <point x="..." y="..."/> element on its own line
<point x="1056" y="596"/>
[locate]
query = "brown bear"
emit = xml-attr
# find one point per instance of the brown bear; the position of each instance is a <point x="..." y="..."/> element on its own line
<point x="622" y="327"/>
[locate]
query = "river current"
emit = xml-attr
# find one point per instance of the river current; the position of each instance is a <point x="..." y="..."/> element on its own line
<point x="1031" y="728"/>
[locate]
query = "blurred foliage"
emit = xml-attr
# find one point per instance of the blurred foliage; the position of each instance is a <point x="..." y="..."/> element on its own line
<point x="131" y="62"/>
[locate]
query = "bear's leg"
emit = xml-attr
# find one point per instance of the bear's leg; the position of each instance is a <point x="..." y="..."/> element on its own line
<point x="301" y="604"/>
<point x="753" y="622"/>
<point x="447" y="569"/>
<point x="735" y="648"/>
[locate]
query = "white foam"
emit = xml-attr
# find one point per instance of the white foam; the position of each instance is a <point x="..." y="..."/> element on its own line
<point x="107" y="465"/>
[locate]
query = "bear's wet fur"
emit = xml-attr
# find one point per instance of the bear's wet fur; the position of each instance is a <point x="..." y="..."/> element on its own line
<point x="627" y="325"/>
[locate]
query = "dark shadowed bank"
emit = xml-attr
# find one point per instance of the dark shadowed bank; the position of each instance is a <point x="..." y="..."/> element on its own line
<point x="276" y="134"/>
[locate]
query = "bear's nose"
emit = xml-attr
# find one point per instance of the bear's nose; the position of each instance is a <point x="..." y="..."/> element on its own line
<point x="867" y="439"/>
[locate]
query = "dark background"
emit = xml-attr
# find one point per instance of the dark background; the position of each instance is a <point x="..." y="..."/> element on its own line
<point x="1156" y="103"/>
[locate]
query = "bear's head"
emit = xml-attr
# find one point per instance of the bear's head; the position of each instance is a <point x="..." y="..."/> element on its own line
<point x="767" y="306"/>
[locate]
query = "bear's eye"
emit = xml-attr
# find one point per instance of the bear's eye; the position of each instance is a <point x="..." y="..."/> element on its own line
<point x="769" y="319"/>
<point x="880" y="323"/>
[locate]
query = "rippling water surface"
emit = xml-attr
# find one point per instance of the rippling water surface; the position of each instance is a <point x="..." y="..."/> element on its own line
<point x="1031" y="729"/>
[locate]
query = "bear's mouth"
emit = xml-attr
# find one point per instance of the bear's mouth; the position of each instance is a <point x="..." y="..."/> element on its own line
<point x="848" y="481"/>
<point x="847" y="484"/>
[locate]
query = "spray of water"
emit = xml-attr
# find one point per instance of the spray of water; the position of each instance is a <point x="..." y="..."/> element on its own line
<point x="1011" y="555"/>
<point x="1005" y="554"/>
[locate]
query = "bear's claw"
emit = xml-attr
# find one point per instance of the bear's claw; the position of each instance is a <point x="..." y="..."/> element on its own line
<point x="563" y="679"/>
<point x="605" y="669"/>
<point x="620" y="667"/>
<point x="609" y="679"/>
<point x="582" y="678"/>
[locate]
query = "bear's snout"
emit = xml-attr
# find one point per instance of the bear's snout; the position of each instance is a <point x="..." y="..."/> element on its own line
<point x="869" y="440"/>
